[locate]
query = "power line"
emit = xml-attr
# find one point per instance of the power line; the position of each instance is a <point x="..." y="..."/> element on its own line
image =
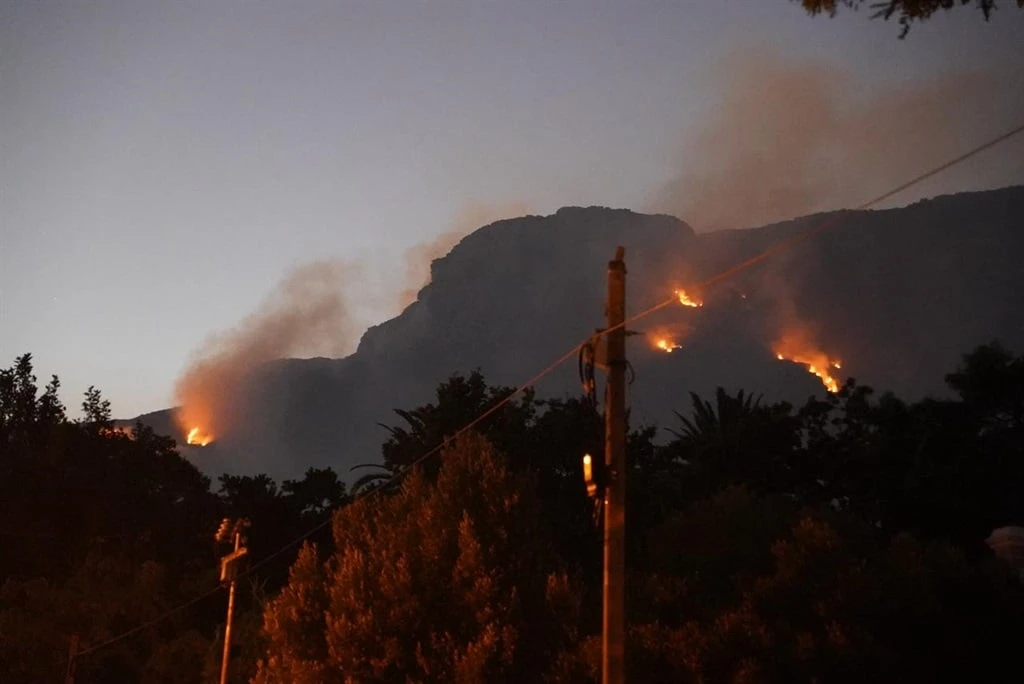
<point x="163" y="616"/>
<point x="319" y="526"/>
<point x="404" y="471"/>
<point x="728" y="273"/>
<point x="831" y="221"/>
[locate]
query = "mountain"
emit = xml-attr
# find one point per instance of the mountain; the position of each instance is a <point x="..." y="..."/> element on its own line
<point x="897" y="295"/>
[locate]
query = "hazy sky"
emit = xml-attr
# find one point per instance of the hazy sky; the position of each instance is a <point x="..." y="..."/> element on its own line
<point x="164" y="164"/>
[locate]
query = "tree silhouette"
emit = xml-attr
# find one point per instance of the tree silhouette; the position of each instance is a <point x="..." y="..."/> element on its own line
<point x="907" y="12"/>
<point x="990" y="381"/>
<point x="100" y="530"/>
<point x="737" y="440"/>
<point x="445" y="581"/>
<point x="459" y="400"/>
<point x="838" y="542"/>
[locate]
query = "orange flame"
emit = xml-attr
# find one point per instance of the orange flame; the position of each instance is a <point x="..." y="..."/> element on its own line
<point x="117" y="430"/>
<point x="196" y="437"/>
<point x="196" y="421"/>
<point x="667" y="338"/>
<point x="794" y="347"/>
<point x="666" y="344"/>
<point x="687" y="300"/>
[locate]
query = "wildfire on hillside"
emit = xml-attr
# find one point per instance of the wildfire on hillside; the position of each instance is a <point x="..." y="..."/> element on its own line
<point x="794" y="347"/>
<point x="667" y="338"/>
<point x="688" y="300"/>
<point x="197" y="437"/>
<point x="666" y="344"/>
<point x="307" y="313"/>
<point x="196" y="421"/>
<point x="116" y="430"/>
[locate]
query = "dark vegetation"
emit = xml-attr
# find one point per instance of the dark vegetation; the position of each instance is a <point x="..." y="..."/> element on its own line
<point x="907" y="12"/>
<point x="840" y="540"/>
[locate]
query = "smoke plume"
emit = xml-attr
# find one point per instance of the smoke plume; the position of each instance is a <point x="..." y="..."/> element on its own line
<point x="789" y="138"/>
<point x="306" y="314"/>
<point x="419" y="257"/>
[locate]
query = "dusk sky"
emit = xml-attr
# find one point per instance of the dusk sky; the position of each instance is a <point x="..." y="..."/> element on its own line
<point x="163" y="165"/>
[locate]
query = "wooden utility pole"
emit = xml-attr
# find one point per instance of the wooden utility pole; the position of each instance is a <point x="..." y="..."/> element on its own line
<point x="231" y="612"/>
<point x="69" y="674"/>
<point x="229" y="565"/>
<point x="614" y="617"/>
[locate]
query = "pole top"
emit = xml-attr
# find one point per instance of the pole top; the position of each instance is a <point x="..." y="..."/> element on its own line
<point x="618" y="263"/>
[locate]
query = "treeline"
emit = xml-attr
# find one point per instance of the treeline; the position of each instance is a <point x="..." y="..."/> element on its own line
<point x="840" y="540"/>
<point x="102" y="531"/>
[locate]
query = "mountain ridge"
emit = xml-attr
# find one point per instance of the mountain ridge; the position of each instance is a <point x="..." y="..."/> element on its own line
<point x="897" y="294"/>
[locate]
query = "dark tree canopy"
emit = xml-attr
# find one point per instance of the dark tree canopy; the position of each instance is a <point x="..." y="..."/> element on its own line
<point x="105" y="527"/>
<point x="841" y="540"/>
<point x="905" y="11"/>
<point x="452" y="580"/>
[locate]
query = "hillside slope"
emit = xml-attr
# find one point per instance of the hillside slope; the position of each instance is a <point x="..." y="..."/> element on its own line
<point x="897" y="295"/>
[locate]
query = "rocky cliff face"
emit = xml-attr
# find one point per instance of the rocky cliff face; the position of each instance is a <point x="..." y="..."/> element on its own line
<point x="897" y="295"/>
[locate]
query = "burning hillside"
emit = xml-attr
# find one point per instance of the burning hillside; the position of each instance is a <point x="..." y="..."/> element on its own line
<point x="197" y="437"/>
<point x="327" y="412"/>
<point x="666" y="342"/>
<point x="794" y="346"/>
<point x="307" y="313"/>
<point x="688" y="300"/>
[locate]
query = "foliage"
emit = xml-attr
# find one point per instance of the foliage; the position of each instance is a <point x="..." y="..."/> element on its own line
<point x="840" y="540"/>
<point x="736" y="440"/>
<point x="445" y="581"/>
<point x="103" y="597"/>
<point x="906" y="11"/>
<point x="718" y="545"/>
<point x="543" y="439"/>
<point x="840" y="609"/>
<point x="459" y="400"/>
<point x="105" y="527"/>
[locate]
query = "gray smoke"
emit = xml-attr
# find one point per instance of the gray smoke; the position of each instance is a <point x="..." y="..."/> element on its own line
<point x="307" y="314"/>
<point x="788" y="138"/>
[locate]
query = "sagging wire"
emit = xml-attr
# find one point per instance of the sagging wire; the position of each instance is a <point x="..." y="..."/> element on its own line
<point x="586" y="361"/>
<point x="591" y="359"/>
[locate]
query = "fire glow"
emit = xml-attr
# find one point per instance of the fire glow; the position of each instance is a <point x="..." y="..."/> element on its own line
<point x="687" y="300"/>
<point x="667" y="338"/>
<point x="794" y="348"/>
<point x="117" y="430"/>
<point x="197" y="437"/>
<point x="666" y="344"/>
<point x="196" y="422"/>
